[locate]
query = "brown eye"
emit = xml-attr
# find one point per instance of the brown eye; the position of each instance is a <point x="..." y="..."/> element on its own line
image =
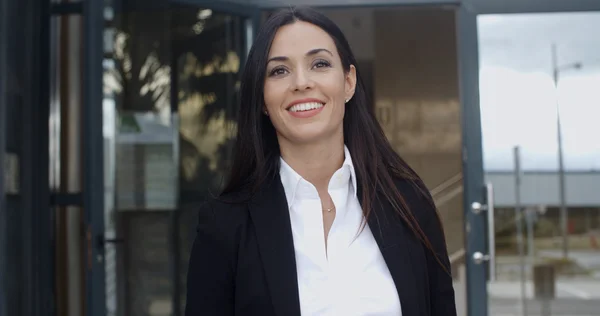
<point x="321" y="64"/>
<point x="277" y="71"/>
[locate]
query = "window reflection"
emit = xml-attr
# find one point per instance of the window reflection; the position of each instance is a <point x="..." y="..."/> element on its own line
<point x="173" y="80"/>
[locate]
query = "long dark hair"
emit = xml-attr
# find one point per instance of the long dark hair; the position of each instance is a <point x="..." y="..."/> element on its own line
<point x="256" y="156"/>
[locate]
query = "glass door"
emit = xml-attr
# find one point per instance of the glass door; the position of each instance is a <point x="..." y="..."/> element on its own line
<point x="547" y="220"/>
<point x="171" y="84"/>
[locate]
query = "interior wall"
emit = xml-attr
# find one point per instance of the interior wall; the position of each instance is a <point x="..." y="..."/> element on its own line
<point x="417" y="101"/>
<point x="358" y="26"/>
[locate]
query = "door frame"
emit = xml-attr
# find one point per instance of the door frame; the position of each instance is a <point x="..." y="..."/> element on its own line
<point x="93" y="157"/>
<point x="472" y="159"/>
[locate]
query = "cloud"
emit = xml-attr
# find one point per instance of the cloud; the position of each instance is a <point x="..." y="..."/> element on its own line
<point x="518" y="98"/>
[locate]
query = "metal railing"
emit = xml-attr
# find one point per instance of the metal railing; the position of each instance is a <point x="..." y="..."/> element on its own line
<point x="447" y="190"/>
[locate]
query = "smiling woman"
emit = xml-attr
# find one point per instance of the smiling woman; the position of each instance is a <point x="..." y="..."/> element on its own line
<point x="306" y="87"/>
<point x="320" y="216"/>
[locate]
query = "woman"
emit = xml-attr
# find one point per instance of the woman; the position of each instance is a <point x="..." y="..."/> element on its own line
<point x="320" y="216"/>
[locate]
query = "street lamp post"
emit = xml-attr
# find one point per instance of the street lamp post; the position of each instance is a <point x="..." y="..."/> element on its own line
<point x="561" y="168"/>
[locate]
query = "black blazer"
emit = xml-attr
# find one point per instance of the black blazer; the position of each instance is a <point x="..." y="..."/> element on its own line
<point x="243" y="262"/>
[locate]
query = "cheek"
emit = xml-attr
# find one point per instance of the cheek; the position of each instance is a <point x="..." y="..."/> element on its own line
<point x="334" y="85"/>
<point x="273" y="94"/>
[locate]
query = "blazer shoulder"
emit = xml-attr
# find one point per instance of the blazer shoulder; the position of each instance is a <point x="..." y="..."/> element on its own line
<point x="419" y="199"/>
<point x="223" y="213"/>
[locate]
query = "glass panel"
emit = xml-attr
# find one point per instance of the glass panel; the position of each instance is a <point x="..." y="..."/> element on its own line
<point x="416" y="99"/>
<point x="65" y="140"/>
<point x="208" y="58"/>
<point x="171" y="92"/>
<point x="532" y="65"/>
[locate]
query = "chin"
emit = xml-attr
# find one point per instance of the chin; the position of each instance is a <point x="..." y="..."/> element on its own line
<point x="310" y="134"/>
<point x="306" y="138"/>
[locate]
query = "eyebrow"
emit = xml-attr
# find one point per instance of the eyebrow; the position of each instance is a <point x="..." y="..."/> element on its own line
<point x="309" y="53"/>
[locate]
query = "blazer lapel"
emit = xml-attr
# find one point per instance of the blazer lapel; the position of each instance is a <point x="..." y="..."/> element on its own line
<point x="395" y="244"/>
<point x="269" y="214"/>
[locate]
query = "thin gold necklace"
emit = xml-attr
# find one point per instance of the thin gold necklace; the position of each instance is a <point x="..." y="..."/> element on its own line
<point x="329" y="209"/>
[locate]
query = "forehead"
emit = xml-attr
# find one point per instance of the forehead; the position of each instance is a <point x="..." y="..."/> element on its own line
<point x="300" y="37"/>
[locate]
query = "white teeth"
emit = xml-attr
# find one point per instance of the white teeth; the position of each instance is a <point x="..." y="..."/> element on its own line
<point x="305" y="106"/>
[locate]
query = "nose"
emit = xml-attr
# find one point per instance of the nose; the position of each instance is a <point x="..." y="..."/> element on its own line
<point x="301" y="81"/>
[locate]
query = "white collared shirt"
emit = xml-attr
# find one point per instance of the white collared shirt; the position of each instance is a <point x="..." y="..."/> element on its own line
<point x="350" y="278"/>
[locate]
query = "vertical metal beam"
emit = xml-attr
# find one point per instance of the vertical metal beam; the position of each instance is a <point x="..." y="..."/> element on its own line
<point x="43" y="217"/>
<point x="37" y="297"/>
<point x="93" y="157"/>
<point x="3" y="100"/>
<point x="468" y="63"/>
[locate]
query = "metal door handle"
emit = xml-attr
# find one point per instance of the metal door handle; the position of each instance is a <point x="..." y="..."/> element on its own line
<point x="478" y="207"/>
<point x="479" y="257"/>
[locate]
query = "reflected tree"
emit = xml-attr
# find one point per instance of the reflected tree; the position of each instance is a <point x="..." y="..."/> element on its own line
<point x="203" y="49"/>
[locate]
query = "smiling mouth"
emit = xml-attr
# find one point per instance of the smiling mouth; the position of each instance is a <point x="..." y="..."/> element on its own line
<point x="308" y="106"/>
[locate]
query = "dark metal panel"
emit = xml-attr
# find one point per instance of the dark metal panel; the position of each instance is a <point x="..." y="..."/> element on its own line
<point x="11" y="106"/>
<point x="531" y="6"/>
<point x="93" y="157"/>
<point x="43" y="253"/>
<point x="65" y="8"/>
<point x="3" y="210"/>
<point x="477" y="6"/>
<point x="27" y="282"/>
<point x="241" y="8"/>
<point x="27" y="276"/>
<point x="468" y="62"/>
<point x="36" y="213"/>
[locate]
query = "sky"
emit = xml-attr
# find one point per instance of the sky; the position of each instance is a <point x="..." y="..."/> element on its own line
<point x="518" y="97"/>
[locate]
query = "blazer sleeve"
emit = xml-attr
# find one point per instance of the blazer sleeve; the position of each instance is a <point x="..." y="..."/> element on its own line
<point x="210" y="283"/>
<point x="440" y="278"/>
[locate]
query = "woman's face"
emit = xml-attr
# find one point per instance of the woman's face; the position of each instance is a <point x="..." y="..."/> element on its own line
<point x="305" y="85"/>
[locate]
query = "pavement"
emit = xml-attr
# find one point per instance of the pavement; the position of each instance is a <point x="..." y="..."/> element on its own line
<point x="575" y="295"/>
<point x="578" y="296"/>
<point x="558" y="307"/>
<point x="579" y="289"/>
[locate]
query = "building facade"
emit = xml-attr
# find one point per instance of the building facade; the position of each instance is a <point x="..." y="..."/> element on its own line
<point x="117" y="119"/>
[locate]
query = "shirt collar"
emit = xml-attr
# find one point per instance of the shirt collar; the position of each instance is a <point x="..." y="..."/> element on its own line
<point x="291" y="179"/>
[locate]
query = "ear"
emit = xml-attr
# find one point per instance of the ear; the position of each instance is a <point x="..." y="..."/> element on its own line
<point x="350" y="83"/>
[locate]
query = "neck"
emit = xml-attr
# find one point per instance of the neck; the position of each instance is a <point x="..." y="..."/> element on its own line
<point x="315" y="162"/>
